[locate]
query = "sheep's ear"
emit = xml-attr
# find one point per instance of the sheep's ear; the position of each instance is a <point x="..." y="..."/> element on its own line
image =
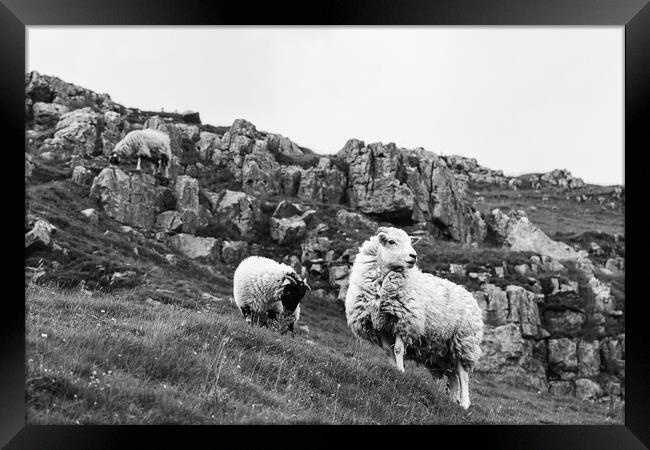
<point x="287" y="281"/>
<point x="305" y="283"/>
<point x="382" y="230"/>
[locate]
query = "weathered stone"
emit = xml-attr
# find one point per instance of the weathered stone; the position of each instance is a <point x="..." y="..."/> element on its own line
<point x="290" y="177"/>
<point x="82" y="176"/>
<point x="133" y="200"/>
<point x="124" y="279"/>
<point x="289" y="223"/>
<point x="324" y="183"/>
<point x="236" y="209"/>
<point x="46" y="115"/>
<point x="169" y="221"/>
<point x="352" y="221"/>
<point x="208" y="144"/>
<point x="234" y="251"/>
<point x="562" y="355"/>
<point x="260" y="174"/>
<point x="562" y="388"/>
<point x="186" y="192"/>
<point x="90" y="214"/>
<point x="522" y="269"/>
<point x="458" y="270"/>
<point x="615" y="264"/>
<point x="196" y="247"/>
<point x="564" y="321"/>
<point x="523" y="309"/>
<point x="588" y="389"/>
<point x="501" y="345"/>
<point x="76" y="133"/>
<point x="338" y="275"/>
<point x="497" y="312"/>
<point x="49" y="89"/>
<point x="40" y="236"/>
<point x="588" y="358"/>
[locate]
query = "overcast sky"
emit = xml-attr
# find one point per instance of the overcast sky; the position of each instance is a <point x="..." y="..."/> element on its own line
<point x="517" y="99"/>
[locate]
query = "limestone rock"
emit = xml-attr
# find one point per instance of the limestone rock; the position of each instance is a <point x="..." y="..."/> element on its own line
<point x="232" y="252"/>
<point x="82" y="176"/>
<point x="588" y="358"/>
<point x="288" y="223"/>
<point x="324" y="183"/>
<point x="133" y="200"/>
<point x="76" y="133"/>
<point x="169" y="221"/>
<point x="196" y="247"/>
<point x="46" y="115"/>
<point x="351" y="221"/>
<point x="115" y="128"/>
<point x="236" y="209"/>
<point x="588" y="389"/>
<point x="90" y="214"/>
<point x="40" y="236"/>
<point x="523" y="309"/>
<point x="186" y="192"/>
<point x="562" y="355"/>
<point x="562" y="388"/>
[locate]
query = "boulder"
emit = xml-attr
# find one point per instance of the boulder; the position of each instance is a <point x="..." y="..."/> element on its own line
<point x="588" y="358"/>
<point x="76" y="134"/>
<point x="82" y="176"/>
<point x="40" y="236"/>
<point x="290" y="177"/>
<point x="186" y="193"/>
<point x="236" y="209"/>
<point x="260" y="174"/>
<point x="352" y="221"/>
<point x="288" y="223"/>
<point x="46" y="115"/>
<point x="169" y="222"/>
<point x="564" y="322"/>
<point x="562" y="355"/>
<point x="196" y="247"/>
<point x="233" y="252"/>
<point x="497" y="304"/>
<point x="90" y="215"/>
<point x="588" y="389"/>
<point x="324" y="183"/>
<point x="129" y="199"/>
<point x="523" y="310"/>
<point x="208" y="146"/>
<point x="562" y="388"/>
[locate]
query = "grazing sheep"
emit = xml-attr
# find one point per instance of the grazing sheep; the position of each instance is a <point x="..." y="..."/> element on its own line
<point x="430" y="320"/>
<point x="153" y="145"/>
<point x="265" y="287"/>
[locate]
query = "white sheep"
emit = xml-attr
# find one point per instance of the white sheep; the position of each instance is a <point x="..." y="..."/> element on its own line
<point x="430" y="320"/>
<point x="265" y="287"/>
<point x="150" y="144"/>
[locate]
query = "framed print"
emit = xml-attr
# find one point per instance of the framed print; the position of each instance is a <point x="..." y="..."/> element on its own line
<point x="355" y="214"/>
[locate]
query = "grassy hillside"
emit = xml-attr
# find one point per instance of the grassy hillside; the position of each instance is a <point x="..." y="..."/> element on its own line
<point x="115" y="359"/>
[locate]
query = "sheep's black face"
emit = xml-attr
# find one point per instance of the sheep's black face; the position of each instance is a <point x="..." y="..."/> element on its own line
<point x="292" y="294"/>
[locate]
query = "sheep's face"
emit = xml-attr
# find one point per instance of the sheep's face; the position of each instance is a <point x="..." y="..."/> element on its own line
<point x="396" y="248"/>
<point x="293" y="290"/>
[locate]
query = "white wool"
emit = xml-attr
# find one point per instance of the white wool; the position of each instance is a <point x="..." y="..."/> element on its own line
<point x="439" y="321"/>
<point x="257" y="283"/>
<point x="145" y="143"/>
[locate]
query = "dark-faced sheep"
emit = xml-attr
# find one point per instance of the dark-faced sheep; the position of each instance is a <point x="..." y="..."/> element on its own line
<point x="266" y="288"/>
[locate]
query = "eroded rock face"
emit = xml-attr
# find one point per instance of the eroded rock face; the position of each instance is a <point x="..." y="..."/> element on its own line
<point x="196" y="247"/>
<point x="170" y="222"/>
<point x="324" y="183"/>
<point x="186" y="192"/>
<point x="46" y="115"/>
<point x="236" y="209"/>
<point x="40" y="236"/>
<point x="562" y="355"/>
<point x="523" y="310"/>
<point x="402" y="185"/>
<point x="129" y="199"/>
<point x="289" y="222"/>
<point x="232" y="252"/>
<point x="76" y="134"/>
<point x="49" y="89"/>
<point x="115" y="128"/>
<point x="82" y="176"/>
<point x="352" y="221"/>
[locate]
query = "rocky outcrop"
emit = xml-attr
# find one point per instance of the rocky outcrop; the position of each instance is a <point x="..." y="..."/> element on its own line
<point x="237" y="210"/>
<point x="169" y="221"/>
<point x="402" y="185"/>
<point x="82" y="176"/>
<point x="196" y="247"/>
<point x="288" y="224"/>
<point x="355" y="221"/>
<point x="186" y="193"/>
<point x="76" y="133"/>
<point x="129" y="199"/>
<point x="324" y="183"/>
<point x="46" y="115"/>
<point x="40" y="236"/>
<point x="232" y="252"/>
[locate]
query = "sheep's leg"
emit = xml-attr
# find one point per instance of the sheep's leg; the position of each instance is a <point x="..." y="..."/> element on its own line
<point x="464" y="385"/>
<point x="139" y="162"/>
<point x="159" y="166"/>
<point x="166" y="170"/>
<point x="399" y="353"/>
<point x="453" y="387"/>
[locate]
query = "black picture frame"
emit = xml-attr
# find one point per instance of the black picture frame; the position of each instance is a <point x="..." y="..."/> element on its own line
<point x="634" y="15"/>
